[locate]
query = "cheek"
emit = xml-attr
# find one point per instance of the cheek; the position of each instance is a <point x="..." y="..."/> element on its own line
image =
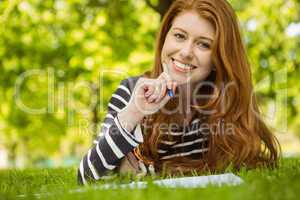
<point x="170" y="46"/>
<point x="204" y="66"/>
<point x="204" y="59"/>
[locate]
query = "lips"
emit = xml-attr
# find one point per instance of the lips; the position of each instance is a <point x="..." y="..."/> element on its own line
<point x="181" y="67"/>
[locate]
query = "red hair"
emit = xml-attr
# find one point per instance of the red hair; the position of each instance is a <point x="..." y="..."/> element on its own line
<point x="250" y="144"/>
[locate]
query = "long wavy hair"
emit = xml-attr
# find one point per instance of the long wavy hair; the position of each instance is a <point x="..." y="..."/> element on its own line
<point x="249" y="143"/>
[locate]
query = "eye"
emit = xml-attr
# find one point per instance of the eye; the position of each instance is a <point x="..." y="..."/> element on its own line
<point x="179" y="36"/>
<point x="204" y="45"/>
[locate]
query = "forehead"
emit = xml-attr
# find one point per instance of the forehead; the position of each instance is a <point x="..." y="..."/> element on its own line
<point x="193" y="24"/>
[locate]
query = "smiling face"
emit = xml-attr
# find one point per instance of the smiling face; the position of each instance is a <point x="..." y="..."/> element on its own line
<point x="187" y="48"/>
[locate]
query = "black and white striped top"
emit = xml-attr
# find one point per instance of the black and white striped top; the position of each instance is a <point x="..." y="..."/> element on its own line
<point x="114" y="142"/>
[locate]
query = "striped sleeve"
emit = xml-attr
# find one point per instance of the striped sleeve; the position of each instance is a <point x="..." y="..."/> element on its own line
<point x="113" y="142"/>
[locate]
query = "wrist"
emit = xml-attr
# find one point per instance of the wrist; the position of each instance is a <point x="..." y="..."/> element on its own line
<point x="129" y="118"/>
<point x="134" y="113"/>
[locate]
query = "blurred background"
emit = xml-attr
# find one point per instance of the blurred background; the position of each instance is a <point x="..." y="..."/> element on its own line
<point x="61" y="60"/>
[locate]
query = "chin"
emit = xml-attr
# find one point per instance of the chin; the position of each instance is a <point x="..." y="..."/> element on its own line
<point x="181" y="80"/>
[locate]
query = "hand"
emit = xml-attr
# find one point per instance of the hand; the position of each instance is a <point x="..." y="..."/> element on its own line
<point x="150" y="95"/>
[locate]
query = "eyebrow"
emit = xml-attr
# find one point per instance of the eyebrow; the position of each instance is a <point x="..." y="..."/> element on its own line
<point x="202" y="37"/>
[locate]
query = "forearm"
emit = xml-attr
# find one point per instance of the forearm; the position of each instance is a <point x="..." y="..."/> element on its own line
<point x="111" y="147"/>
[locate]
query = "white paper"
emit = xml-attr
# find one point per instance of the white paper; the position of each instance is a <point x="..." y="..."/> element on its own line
<point x="184" y="182"/>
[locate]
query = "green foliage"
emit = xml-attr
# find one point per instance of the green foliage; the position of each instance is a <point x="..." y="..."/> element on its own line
<point x="58" y="51"/>
<point x="274" y="56"/>
<point x="61" y="60"/>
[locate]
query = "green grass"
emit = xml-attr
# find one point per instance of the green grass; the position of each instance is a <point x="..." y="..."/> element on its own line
<point x="282" y="183"/>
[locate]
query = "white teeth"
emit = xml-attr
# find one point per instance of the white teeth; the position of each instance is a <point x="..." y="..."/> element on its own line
<point x="183" y="66"/>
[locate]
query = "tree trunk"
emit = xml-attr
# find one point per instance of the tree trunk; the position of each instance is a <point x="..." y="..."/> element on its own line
<point x="162" y="6"/>
<point x="12" y="154"/>
<point x="95" y="118"/>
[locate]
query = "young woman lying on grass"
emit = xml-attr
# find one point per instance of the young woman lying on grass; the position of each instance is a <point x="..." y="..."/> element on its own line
<point x="194" y="112"/>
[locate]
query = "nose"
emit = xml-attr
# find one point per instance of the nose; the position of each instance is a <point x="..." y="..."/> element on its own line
<point x="186" y="52"/>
